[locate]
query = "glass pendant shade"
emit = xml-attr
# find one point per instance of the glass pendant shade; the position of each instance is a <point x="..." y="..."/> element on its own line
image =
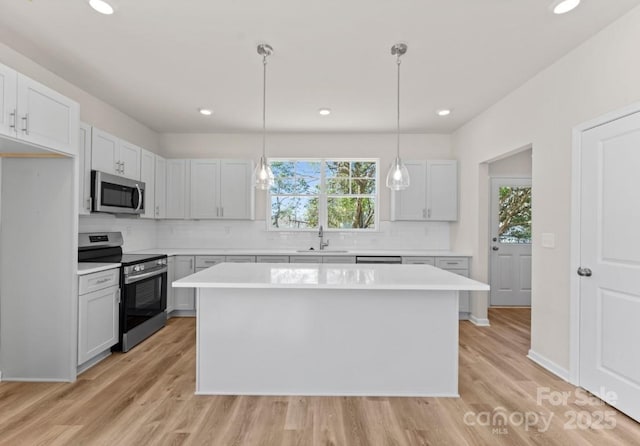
<point x="398" y="176"/>
<point x="263" y="175"/>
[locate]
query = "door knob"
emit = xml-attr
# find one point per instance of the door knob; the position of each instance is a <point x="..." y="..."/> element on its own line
<point x="495" y="248"/>
<point x="584" y="272"/>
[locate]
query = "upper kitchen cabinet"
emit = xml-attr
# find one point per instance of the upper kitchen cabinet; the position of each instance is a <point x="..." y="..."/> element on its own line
<point x="176" y="188"/>
<point x="112" y="155"/>
<point x="161" y="187"/>
<point x="84" y="169"/>
<point x="432" y="194"/>
<point x="221" y="189"/>
<point x="37" y="115"/>
<point x="148" y="177"/>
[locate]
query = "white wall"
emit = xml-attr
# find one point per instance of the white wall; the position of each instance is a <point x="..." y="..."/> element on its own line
<point x="599" y="76"/>
<point x="92" y="110"/>
<point x="518" y="165"/>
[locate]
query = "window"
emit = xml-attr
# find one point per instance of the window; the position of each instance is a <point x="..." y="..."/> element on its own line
<point x="337" y="194"/>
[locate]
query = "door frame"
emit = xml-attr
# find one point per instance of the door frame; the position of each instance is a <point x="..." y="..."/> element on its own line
<point x="576" y="182"/>
<point x="492" y="208"/>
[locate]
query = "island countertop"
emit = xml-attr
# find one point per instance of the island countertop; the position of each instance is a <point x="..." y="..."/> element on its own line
<point x="328" y="276"/>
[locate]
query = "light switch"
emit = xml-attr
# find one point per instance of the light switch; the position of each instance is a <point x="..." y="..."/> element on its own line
<point x="548" y="240"/>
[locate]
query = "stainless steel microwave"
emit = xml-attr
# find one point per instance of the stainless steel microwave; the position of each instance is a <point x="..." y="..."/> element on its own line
<point x="116" y="195"/>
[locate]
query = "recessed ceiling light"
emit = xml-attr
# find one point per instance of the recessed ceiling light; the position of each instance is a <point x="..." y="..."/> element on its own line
<point x="563" y="6"/>
<point x="324" y="111"/>
<point x="444" y="112"/>
<point x="205" y="111"/>
<point x="101" y="6"/>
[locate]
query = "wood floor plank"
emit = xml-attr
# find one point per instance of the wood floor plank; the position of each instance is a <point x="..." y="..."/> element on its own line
<point x="146" y="396"/>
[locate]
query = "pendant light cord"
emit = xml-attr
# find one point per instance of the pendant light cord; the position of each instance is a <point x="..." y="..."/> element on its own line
<point x="264" y="107"/>
<point x="398" y="123"/>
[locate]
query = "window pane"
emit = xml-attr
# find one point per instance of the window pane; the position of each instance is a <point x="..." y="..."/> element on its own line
<point x="338" y="186"/>
<point x="294" y="212"/>
<point x="363" y="186"/>
<point x="302" y="177"/>
<point x="364" y="169"/>
<point x="337" y="169"/>
<point x="515" y="215"/>
<point x="351" y="213"/>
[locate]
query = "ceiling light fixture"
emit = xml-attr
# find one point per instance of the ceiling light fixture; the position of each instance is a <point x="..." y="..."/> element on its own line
<point x="564" y="6"/>
<point x="205" y="111"/>
<point x="263" y="176"/>
<point x="398" y="176"/>
<point x="324" y="111"/>
<point x="444" y="112"/>
<point x="101" y="6"/>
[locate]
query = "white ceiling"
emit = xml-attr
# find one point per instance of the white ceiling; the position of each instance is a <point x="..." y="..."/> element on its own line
<point x="160" y="60"/>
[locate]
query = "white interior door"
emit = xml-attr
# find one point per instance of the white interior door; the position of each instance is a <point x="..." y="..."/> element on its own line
<point x="610" y="263"/>
<point x="510" y="242"/>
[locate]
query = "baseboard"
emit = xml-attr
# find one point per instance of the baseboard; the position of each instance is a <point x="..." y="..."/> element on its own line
<point x="182" y="313"/>
<point x="93" y="361"/>
<point x="480" y="322"/>
<point x="549" y="365"/>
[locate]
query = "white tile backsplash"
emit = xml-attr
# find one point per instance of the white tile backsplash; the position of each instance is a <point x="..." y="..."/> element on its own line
<point x="137" y="233"/>
<point x="147" y="234"/>
<point x="254" y="235"/>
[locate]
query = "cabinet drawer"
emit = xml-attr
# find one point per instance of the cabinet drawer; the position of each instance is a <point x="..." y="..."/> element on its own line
<point x="419" y="261"/>
<point x="338" y="259"/>
<point x="452" y="262"/>
<point x="305" y="259"/>
<point x="207" y="261"/>
<point x="272" y="259"/>
<point x="97" y="281"/>
<point x="240" y="259"/>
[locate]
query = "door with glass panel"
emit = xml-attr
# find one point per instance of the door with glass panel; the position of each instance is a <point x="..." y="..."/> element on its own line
<point x="510" y="242"/>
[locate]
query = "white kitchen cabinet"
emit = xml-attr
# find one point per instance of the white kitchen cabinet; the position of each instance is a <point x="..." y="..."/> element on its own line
<point x="148" y="177"/>
<point x="432" y="194"/>
<point x="36" y="114"/>
<point x="305" y="259"/>
<point x="171" y="270"/>
<point x="184" y="303"/>
<point x="338" y="259"/>
<point x="221" y="189"/>
<point x="419" y="261"/>
<point x="98" y="313"/>
<point x="161" y="187"/>
<point x="240" y="259"/>
<point x="204" y="262"/>
<point x="112" y="155"/>
<point x="176" y="183"/>
<point x="84" y="169"/>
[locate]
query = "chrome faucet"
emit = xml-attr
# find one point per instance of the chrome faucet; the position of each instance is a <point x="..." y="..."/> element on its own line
<point x="323" y="244"/>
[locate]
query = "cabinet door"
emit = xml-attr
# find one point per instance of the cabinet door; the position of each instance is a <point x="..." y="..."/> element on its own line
<point x="130" y="160"/>
<point x="272" y="259"/>
<point x="240" y="259"/>
<point x="442" y="190"/>
<point x="84" y="169"/>
<point x="305" y="259"/>
<point x="176" y="183"/>
<point x="419" y="261"/>
<point x="47" y="118"/>
<point x="205" y="181"/>
<point x="98" y="322"/>
<point x="410" y="204"/>
<point x="183" y="298"/>
<point x="8" y="97"/>
<point x="148" y="177"/>
<point x="161" y="187"/>
<point x="105" y="151"/>
<point x="236" y="190"/>
<point x="171" y="273"/>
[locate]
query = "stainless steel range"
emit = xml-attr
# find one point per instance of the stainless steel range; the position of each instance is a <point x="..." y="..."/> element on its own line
<point x="143" y="284"/>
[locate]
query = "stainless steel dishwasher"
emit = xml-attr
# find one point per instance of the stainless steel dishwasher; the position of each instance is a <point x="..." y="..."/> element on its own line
<point x="393" y="260"/>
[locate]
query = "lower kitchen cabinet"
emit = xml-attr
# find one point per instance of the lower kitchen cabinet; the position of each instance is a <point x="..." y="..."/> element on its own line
<point x="98" y="314"/>
<point x="272" y="259"/>
<point x="184" y="299"/>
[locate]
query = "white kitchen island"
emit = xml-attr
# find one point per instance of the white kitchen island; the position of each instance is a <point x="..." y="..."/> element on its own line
<point x="327" y="329"/>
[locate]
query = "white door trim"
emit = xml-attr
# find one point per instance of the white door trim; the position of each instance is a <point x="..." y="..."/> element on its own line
<point x="574" y="282"/>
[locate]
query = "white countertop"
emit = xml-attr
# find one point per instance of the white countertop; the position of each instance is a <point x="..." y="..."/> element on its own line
<point x="293" y="252"/>
<point x="88" y="268"/>
<point x="328" y="276"/>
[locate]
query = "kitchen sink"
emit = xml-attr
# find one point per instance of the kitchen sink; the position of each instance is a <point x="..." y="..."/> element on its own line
<point x="317" y="251"/>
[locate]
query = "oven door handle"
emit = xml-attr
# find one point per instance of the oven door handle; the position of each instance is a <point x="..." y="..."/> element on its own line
<point x="137" y="278"/>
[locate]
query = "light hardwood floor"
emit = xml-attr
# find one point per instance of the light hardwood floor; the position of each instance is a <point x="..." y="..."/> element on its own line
<point x="146" y="397"/>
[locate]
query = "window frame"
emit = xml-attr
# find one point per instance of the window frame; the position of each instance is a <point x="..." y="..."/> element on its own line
<point x="323" y="196"/>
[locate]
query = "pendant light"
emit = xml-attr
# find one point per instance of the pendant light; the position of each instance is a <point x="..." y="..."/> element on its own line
<point x="398" y="176"/>
<point x="263" y="176"/>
